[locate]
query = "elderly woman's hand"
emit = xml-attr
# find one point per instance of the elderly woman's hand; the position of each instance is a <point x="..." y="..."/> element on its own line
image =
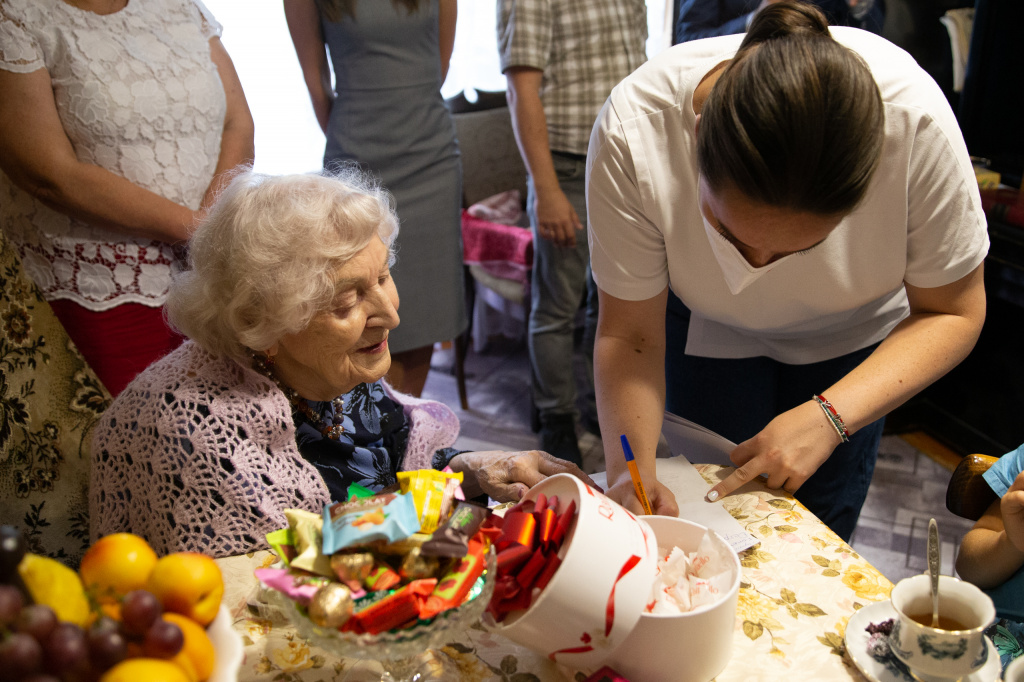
<point x="506" y="476"/>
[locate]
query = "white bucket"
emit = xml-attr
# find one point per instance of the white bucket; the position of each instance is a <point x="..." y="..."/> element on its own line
<point x="596" y="596"/>
<point x="687" y="647"/>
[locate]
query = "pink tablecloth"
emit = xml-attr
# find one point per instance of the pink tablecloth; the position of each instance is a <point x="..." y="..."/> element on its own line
<point x="504" y="251"/>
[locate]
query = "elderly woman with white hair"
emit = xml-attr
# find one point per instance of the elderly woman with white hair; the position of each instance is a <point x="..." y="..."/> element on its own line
<point x="277" y="400"/>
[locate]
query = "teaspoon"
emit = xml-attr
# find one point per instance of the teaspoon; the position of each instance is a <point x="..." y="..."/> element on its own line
<point x="933" y="568"/>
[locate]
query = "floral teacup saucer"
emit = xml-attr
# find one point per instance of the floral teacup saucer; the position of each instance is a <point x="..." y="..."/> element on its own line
<point x="877" y="663"/>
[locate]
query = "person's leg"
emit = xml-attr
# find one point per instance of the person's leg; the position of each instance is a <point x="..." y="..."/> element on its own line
<point x="574" y="185"/>
<point x="557" y="284"/>
<point x="409" y="370"/>
<point x="835" y="493"/>
<point x="120" y="342"/>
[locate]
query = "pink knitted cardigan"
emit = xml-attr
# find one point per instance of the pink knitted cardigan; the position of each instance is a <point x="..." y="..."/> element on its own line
<point x="198" y="454"/>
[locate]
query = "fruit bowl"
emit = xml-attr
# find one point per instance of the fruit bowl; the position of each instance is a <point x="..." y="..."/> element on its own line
<point x="227" y="644"/>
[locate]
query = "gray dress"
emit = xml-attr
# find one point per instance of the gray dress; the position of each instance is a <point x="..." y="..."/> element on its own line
<point x="390" y="118"/>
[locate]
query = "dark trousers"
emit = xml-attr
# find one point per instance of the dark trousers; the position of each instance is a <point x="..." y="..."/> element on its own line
<point x="738" y="397"/>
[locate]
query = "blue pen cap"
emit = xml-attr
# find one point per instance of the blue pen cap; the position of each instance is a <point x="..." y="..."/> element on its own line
<point x="625" y="448"/>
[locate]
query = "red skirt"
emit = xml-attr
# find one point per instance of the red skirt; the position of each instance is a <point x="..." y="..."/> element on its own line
<point x="120" y="342"/>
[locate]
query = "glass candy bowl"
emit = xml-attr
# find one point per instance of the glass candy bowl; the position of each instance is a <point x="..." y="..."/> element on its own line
<point x="396" y="650"/>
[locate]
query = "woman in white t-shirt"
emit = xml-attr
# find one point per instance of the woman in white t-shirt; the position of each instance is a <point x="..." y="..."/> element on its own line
<point x="807" y="195"/>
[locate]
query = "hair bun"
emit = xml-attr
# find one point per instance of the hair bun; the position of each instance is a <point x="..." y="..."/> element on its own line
<point x="786" y="18"/>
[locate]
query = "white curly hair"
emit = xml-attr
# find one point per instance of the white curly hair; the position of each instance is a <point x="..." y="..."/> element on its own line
<point x="261" y="261"/>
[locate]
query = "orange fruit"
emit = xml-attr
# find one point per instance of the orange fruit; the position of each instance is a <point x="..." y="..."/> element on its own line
<point x="117" y="564"/>
<point x="145" y="670"/>
<point x="188" y="583"/>
<point x="197" y="655"/>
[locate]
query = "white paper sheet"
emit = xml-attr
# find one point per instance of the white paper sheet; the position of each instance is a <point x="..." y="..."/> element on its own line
<point x="689" y="487"/>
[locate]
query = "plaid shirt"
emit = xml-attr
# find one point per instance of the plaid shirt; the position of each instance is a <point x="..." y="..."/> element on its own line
<point x="584" y="48"/>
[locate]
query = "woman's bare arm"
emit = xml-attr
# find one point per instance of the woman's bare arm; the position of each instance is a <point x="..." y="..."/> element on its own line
<point x="942" y="328"/>
<point x="236" y="145"/>
<point x="38" y="157"/>
<point x="304" y="26"/>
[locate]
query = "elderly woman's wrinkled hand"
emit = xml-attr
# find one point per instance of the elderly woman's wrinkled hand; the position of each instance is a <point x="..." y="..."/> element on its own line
<point x="506" y="476"/>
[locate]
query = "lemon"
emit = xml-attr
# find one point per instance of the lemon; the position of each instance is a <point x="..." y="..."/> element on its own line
<point x="57" y="586"/>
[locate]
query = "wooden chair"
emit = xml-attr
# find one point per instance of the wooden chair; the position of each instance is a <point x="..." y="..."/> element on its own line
<point x="968" y="495"/>
<point x="490" y="164"/>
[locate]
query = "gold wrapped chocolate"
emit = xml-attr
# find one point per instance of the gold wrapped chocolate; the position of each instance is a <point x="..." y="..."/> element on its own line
<point x="415" y="566"/>
<point x="331" y="606"/>
<point x="352" y="568"/>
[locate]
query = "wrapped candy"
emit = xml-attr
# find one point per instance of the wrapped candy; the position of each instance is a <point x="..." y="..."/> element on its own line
<point x="331" y="606"/>
<point x="373" y="542"/>
<point x="431" y="494"/>
<point x="396" y="609"/>
<point x="387" y="517"/>
<point x="451" y="539"/>
<point x="306" y="530"/>
<point x="454" y="586"/>
<point x="686" y="581"/>
<point x="282" y="541"/>
<point x="352" y="568"/>
<point x="530" y="537"/>
<point x="382" y="577"/>
<point x="298" y="587"/>
<point x="415" y="566"/>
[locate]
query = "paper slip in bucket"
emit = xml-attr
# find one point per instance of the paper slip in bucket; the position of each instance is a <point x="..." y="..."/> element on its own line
<point x="595" y="598"/>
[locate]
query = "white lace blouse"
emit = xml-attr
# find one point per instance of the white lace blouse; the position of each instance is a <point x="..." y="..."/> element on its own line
<point x="138" y="95"/>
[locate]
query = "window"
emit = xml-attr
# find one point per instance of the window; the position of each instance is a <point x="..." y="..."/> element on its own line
<point x="288" y="138"/>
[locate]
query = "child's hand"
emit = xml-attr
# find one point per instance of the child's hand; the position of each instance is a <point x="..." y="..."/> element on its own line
<point x="1012" y="509"/>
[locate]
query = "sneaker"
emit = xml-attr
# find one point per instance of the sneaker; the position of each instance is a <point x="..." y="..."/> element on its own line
<point x="558" y="438"/>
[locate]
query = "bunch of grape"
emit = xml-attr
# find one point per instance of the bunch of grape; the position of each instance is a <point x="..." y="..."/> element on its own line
<point x="36" y="647"/>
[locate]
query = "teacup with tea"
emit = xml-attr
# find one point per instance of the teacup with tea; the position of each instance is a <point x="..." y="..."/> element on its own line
<point x="951" y="648"/>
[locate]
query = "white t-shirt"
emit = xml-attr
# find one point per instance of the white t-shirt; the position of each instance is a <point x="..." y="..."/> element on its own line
<point x="920" y="223"/>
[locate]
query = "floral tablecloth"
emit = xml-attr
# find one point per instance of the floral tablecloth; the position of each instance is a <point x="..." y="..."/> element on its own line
<point x="799" y="587"/>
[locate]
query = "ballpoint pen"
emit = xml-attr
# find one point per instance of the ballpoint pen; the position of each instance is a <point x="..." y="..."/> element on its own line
<point x="634" y="473"/>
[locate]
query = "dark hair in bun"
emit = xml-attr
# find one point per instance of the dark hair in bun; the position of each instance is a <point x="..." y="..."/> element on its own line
<point x="796" y="119"/>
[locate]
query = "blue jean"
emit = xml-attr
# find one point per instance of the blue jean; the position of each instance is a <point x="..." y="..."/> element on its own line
<point x="561" y="277"/>
<point x="738" y="397"/>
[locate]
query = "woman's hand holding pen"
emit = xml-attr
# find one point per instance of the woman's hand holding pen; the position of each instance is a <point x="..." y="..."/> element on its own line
<point x="662" y="500"/>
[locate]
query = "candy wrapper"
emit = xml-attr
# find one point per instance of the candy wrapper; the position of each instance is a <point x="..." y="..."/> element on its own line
<point x="397" y="609"/>
<point x="433" y="493"/>
<point x="452" y="538"/>
<point x="530" y="537"/>
<point x="382" y="518"/>
<point x="297" y="587"/>
<point x="307" y="534"/>
<point x="455" y="585"/>
<point x="282" y="541"/>
<point x="686" y="581"/>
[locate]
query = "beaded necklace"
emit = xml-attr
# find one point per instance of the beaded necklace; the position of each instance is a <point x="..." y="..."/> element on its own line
<point x="264" y="364"/>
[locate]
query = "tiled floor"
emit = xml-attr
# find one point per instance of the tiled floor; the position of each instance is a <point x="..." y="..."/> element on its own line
<point x="908" y="486"/>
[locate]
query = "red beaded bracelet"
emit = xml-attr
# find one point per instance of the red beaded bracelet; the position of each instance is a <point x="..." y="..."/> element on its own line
<point x="833" y="416"/>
